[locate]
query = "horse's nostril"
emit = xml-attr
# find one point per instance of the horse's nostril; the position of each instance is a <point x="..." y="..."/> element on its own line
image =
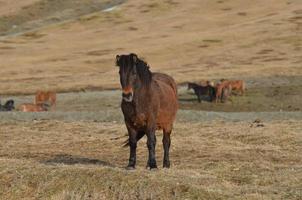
<point x="127" y="97"/>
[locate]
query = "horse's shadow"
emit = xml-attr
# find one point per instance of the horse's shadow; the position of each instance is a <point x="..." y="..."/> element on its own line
<point x="73" y="160"/>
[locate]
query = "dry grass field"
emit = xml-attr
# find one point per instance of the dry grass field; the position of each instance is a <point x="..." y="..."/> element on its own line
<point x="210" y="160"/>
<point x="247" y="148"/>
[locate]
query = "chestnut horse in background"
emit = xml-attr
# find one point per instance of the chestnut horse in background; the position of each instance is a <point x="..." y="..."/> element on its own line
<point x="30" y="107"/>
<point x="223" y="91"/>
<point x="149" y="103"/>
<point x="237" y="85"/>
<point x="46" y="96"/>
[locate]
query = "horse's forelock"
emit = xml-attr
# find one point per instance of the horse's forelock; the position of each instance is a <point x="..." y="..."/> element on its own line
<point x="125" y="61"/>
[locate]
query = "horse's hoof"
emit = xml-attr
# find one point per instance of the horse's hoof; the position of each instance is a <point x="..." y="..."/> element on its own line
<point x="152" y="168"/>
<point x="130" y="168"/>
<point x="166" y="166"/>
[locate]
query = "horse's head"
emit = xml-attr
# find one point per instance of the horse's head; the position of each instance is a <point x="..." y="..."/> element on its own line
<point x="133" y="72"/>
<point x="9" y="105"/>
<point x="128" y="74"/>
<point x="191" y="85"/>
<point x="45" y="106"/>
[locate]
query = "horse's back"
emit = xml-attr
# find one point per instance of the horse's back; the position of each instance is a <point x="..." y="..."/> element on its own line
<point x="238" y="85"/>
<point x="165" y="79"/>
<point x="29" y="107"/>
<point x="25" y="108"/>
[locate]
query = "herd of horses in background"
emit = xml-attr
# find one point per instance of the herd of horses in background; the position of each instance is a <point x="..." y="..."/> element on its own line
<point x="219" y="92"/>
<point x="44" y="101"/>
<point x="209" y="91"/>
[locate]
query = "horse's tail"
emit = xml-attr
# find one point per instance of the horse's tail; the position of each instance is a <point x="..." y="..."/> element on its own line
<point x="139" y="136"/>
<point x="243" y="87"/>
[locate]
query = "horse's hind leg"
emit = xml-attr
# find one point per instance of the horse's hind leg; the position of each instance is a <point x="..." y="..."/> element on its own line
<point x="166" y="144"/>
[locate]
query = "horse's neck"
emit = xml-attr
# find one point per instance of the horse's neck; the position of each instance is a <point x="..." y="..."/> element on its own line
<point x="142" y="96"/>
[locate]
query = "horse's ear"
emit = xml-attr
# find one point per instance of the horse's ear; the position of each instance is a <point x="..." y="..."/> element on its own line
<point x="117" y="59"/>
<point x="134" y="57"/>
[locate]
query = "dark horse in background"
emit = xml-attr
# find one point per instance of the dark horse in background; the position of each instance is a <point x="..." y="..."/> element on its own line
<point x="8" y="106"/>
<point x="200" y="91"/>
<point x="149" y="103"/>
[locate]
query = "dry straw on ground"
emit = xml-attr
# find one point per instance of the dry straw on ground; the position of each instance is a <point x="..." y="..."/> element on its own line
<point x="211" y="160"/>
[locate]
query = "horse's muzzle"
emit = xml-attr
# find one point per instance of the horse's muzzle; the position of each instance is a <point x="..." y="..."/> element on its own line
<point x="128" y="94"/>
<point x="128" y="97"/>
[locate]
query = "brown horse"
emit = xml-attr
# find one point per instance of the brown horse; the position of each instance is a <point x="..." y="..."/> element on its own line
<point x="46" y="96"/>
<point x="199" y="90"/>
<point x="223" y="91"/>
<point x="149" y="103"/>
<point x="237" y="85"/>
<point x="30" y="107"/>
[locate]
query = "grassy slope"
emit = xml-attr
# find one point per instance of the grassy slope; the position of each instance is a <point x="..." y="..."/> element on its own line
<point x="189" y="40"/>
<point x="226" y="160"/>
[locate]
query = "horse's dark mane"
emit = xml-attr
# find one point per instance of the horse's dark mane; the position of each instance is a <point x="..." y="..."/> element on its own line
<point x="195" y="86"/>
<point x="142" y="68"/>
<point x="143" y="71"/>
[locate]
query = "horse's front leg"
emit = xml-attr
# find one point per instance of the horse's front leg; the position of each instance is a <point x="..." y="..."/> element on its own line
<point x="133" y="144"/>
<point x="151" y="143"/>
